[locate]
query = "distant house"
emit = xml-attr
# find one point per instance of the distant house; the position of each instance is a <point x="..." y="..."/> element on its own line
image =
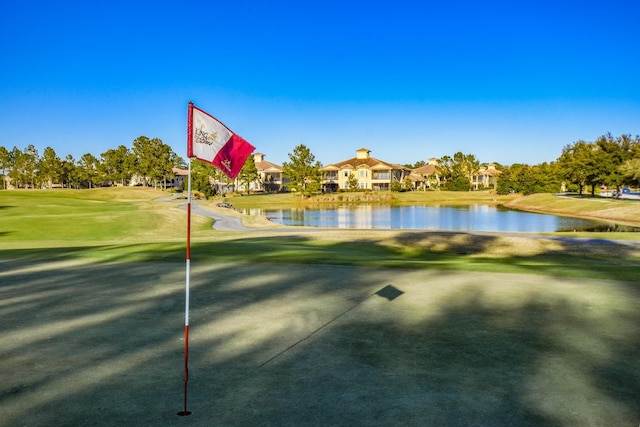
<point x="427" y="176"/>
<point x="180" y="178"/>
<point x="270" y="181"/>
<point x="487" y="177"/>
<point x="364" y="171"/>
<point x="270" y="175"/>
<point x="137" y="181"/>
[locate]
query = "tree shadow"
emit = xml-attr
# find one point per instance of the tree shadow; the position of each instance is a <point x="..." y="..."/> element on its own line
<point x="307" y="344"/>
<point x="472" y="364"/>
<point x="557" y="256"/>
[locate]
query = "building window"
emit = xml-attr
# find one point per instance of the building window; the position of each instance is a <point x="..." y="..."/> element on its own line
<point x="381" y="175"/>
<point x="363" y="174"/>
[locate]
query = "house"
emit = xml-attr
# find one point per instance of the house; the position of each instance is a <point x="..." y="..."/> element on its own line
<point x="179" y="178"/>
<point x="270" y="179"/>
<point x="270" y="175"/>
<point x="487" y="177"/>
<point x="427" y="176"/>
<point x="363" y="171"/>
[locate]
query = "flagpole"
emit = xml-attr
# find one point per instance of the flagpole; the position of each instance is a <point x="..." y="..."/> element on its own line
<point x="185" y="412"/>
<point x="229" y="158"/>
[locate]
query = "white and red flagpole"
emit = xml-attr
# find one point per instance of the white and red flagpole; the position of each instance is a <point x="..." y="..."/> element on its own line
<point x="212" y="142"/>
<point x="185" y="412"/>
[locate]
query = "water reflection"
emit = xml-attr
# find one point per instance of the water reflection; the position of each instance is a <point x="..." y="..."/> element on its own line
<point x="455" y="218"/>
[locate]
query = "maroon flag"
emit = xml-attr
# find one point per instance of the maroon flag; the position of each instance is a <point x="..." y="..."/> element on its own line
<point x="211" y="141"/>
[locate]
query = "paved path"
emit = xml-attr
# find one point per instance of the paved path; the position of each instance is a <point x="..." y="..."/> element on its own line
<point x="221" y="222"/>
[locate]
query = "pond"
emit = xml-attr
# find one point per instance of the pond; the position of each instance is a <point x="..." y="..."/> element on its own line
<point x="476" y="217"/>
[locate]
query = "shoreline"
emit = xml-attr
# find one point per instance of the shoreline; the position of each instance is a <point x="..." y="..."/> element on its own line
<point x="251" y="222"/>
<point x="608" y="215"/>
<point x="625" y="211"/>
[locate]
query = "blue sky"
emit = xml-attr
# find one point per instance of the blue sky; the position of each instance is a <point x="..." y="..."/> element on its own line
<point x="511" y="82"/>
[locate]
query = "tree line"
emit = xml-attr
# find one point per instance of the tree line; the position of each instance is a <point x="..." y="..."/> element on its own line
<point x="149" y="159"/>
<point x="608" y="161"/>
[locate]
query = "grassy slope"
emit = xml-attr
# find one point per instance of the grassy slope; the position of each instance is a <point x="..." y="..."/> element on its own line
<point x="623" y="211"/>
<point x="89" y="217"/>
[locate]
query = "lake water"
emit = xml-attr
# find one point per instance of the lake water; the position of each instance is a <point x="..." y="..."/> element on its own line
<point x="458" y="218"/>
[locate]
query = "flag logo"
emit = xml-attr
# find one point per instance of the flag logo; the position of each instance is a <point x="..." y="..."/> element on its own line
<point x="202" y="137"/>
<point x="211" y="141"/>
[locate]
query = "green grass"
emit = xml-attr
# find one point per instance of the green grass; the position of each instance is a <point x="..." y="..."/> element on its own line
<point x="33" y="217"/>
<point x="406" y="198"/>
<point x="481" y="349"/>
<point x="132" y="225"/>
<point x="622" y="211"/>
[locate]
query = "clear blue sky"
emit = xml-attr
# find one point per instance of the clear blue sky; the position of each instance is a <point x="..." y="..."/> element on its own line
<point x="508" y="81"/>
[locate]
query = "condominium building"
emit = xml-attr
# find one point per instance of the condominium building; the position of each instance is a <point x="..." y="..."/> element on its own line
<point x="363" y="172"/>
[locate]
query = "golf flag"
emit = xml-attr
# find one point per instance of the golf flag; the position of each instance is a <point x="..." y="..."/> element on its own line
<point x="211" y="141"/>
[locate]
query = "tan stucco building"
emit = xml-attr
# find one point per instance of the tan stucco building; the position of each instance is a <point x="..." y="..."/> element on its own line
<point x="369" y="172"/>
<point x="270" y="175"/>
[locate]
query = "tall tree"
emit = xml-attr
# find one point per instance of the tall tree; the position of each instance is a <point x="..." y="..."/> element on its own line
<point x="201" y="174"/>
<point x="117" y="164"/>
<point x="50" y="166"/>
<point x="144" y="157"/>
<point x="548" y="177"/>
<point x="249" y="173"/>
<point x="4" y="165"/>
<point x="153" y="159"/>
<point x="630" y="168"/>
<point x="577" y="163"/>
<point x="597" y="163"/>
<point x="302" y="171"/>
<point x="611" y="153"/>
<point x="29" y="166"/>
<point x="468" y="165"/>
<point x="416" y="165"/>
<point x="505" y="184"/>
<point x="163" y="166"/>
<point x="352" y="182"/>
<point x="630" y="172"/>
<point x="69" y="174"/>
<point x="457" y="172"/>
<point x="88" y="169"/>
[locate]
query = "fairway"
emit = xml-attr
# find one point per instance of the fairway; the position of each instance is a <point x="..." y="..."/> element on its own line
<point x="101" y="344"/>
<point x="300" y="327"/>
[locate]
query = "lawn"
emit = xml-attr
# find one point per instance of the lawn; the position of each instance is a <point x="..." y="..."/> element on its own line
<point x="626" y="211"/>
<point x="140" y="225"/>
<point x="299" y="327"/>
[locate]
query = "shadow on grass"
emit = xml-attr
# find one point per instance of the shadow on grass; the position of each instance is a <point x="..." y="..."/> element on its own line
<point x="100" y="344"/>
<point x="422" y="250"/>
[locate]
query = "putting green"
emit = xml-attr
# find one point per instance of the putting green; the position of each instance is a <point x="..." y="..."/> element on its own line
<point x="101" y="344"/>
